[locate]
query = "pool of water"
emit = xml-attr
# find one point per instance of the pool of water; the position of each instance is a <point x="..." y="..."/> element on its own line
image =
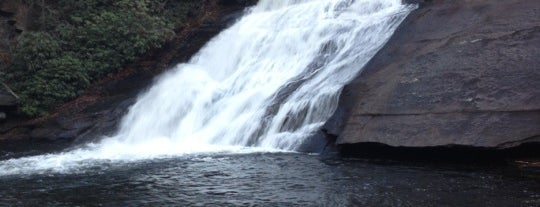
<point x="275" y="179"/>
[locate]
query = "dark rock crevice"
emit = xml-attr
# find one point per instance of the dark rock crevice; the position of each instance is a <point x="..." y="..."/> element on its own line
<point x="447" y="153"/>
<point x="532" y="139"/>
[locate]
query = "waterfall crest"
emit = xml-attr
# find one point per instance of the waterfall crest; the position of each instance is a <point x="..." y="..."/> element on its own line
<point x="267" y="82"/>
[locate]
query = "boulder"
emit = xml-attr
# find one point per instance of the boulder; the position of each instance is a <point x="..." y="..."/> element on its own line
<point x="8" y="103"/>
<point x="460" y="72"/>
<point x="7" y="99"/>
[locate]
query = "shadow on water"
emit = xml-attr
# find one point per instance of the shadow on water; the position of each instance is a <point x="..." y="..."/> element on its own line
<point x="526" y="153"/>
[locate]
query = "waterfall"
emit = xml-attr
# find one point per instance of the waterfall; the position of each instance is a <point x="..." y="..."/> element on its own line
<point x="266" y="83"/>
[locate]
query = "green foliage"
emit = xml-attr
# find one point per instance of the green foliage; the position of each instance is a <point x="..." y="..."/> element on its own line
<point x="46" y="75"/>
<point x="88" y="40"/>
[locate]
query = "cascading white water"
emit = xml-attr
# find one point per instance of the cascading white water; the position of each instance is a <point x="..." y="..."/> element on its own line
<point x="268" y="82"/>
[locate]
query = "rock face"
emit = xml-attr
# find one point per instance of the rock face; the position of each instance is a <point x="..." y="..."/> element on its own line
<point x="15" y="17"/>
<point x="6" y="99"/>
<point x="460" y="72"/>
<point x="8" y="102"/>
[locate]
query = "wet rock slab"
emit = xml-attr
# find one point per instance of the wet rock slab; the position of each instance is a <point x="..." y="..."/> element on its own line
<point x="455" y="73"/>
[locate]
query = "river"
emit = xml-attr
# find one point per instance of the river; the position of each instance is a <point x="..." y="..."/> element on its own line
<point x="274" y="179"/>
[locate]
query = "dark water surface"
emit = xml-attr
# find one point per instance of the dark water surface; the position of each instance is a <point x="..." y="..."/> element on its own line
<point x="270" y="179"/>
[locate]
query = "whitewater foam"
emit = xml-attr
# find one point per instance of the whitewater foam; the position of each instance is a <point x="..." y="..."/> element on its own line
<point x="266" y="83"/>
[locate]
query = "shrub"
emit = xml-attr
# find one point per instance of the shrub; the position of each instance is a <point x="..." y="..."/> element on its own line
<point x="80" y="41"/>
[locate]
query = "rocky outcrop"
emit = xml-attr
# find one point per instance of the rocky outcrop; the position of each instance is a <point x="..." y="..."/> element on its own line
<point x="19" y="14"/>
<point x="6" y="98"/>
<point x="460" y="72"/>
<point x="15" y="16"/>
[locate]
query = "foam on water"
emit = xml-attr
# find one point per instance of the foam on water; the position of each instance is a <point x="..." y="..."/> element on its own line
<point x="264" y="84"/>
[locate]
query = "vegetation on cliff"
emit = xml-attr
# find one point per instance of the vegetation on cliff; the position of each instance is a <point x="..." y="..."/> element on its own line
<point x="77" y="42"/>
